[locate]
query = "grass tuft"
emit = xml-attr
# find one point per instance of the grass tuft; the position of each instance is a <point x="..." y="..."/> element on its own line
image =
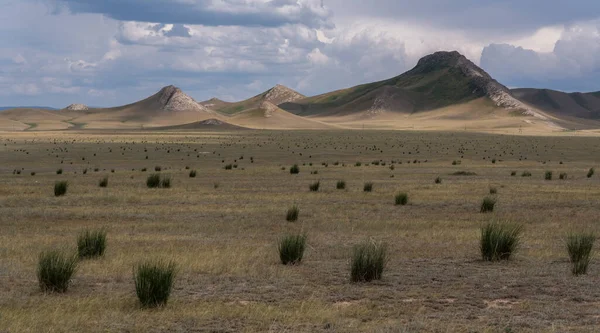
<point x="291" y="249"/>
<point x="193" y="174"/>
<point x="103" y="182"/>
<point x="580" y="247"/>
<point x="591" y="172"/>
<point x="91" y="244"/>
<point x="314" y="187"/>
<point x="499" y="240"/>
<point x="154" y="282"/>
<point x="292" y="214"/>
<point x="340" y="185"/>
<point x="401" y="199"/>
<point x="55" y="270"/>
<point x="438" y="180"/>
<point x="487" y="205"/>
<point x="60" y="188"/>
<point x="548" y="175"/>
<point x="368" y="187"/>
<point x="295" y="169"/>
<point x="368" y="261"/>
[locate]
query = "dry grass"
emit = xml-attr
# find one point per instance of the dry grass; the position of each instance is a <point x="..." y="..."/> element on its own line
<point x="223" y="239"/>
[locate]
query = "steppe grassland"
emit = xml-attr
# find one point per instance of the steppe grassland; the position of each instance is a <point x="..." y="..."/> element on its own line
<point x="222" y="229"/>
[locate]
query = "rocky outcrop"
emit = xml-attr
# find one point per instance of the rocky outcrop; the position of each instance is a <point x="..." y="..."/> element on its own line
<point x="282" y="94"/>
<point x="172" y="99"/>
<point x="77" y="107"/>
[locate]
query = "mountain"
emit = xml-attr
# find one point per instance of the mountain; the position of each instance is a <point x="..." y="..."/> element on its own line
<point x="579" y="105"/>
<point x="2" y="108"/>
<point x="438" y="80"/>
<point x="276" y="95"/>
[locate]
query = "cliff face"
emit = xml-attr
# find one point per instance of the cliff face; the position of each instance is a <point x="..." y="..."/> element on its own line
<point x="172" y="99"/>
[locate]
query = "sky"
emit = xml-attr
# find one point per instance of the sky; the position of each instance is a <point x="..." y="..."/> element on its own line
<point x="113" y="52"/>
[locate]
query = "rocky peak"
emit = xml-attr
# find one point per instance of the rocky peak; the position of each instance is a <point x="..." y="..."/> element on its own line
<point x="282" y="94"/>
<point x="173" y="99"/>
<point x="77" y="107"/>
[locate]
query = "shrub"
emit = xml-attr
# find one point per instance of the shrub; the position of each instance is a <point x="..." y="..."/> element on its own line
<point x="157" y="168"/>
<point x="357" y="164"/>
<point x="154" y="282"/>
<point x="295" y="169"/>
<point x="103" y="182"/>
<point x="580" y="247"/>
<point x="60" y="188"/>
<point x="340" y="185"/>
<point x="499" y="240"/>
<point x="193" y="174"/>
<point x="91" y="244"/>
<point x="59" y="171"/>
<point x="562" y="176"/>
<point x="33" y="173"/>
<point x="526" y="174"/>
<point x="368" y="261"/>
<point x="493" y="190"/>
<point x="55" y="270"/>
<point x="314" y="187"/>
<point x="513" y="173"/>
<point x="291" y="249"/>
<point x="487" y="205"/>
<point x="548" y="175"/>
<point x="401" y="199"/>
<point x="228" y="167"/>
<point x="368" y="187"/>
<point x="590" y="173"/>
<point x="292" y="214"/>
<point x="438" y="180"/>
<point x="153" y="181"/>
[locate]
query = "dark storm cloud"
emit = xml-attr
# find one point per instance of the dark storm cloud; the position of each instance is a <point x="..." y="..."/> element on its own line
<point x="206" y="12"/>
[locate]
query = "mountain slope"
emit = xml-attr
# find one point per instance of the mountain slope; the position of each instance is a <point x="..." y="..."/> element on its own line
<point x="440" y="79"/>
<point x="579" y="105"/>
<point x="276" y="95"/>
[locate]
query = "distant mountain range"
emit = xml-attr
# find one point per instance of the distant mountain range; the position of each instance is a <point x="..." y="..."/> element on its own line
<point x="2" y="108"/>
<point x="444" y="91"/>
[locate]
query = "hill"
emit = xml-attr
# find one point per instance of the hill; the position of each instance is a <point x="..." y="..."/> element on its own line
<point x="276" y="95"/>
<point x="579" y="105"/>
<point x="438" y="80"/>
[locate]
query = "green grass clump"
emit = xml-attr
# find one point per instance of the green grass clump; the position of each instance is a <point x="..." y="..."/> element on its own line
<point x="103" y="182"/>
<point x="292" y="214"/>
<point x="291" y="249"/>
<point x="153" y="181"/>
<point x="487" y="205"/>
<point x="591" y="172"/>
<point x="59" y="171"/>
<point x="580" y="247"/>
<point x="526" y="174"/>
<point x="295" y="169"/>
<point x="228" y="167"/>
<point x="499" y="240"/>
<point x="340" y="185"/>
<point x="193" y="174"/>
<point x="368" y="187"/>
<point x="464" y="173"/>
<point x="154" y="282"/>
<point x="165" y="182"/>
<point x="314" y="187"/>
<point x="548" y="175"/>
<point x="368" y="261"/>
<point x="60" y="188"/>
<point x="401" y="199"/>
<point x="91" y="244"/>
<point x="55" y="270"/>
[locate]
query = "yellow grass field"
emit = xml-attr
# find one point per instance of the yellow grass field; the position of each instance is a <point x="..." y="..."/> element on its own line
<point x="222" y="229"/>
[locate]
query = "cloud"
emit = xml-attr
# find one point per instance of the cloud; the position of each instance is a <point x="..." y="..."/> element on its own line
<point x="207" y="12"/>
<point x="573" y="64"/>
